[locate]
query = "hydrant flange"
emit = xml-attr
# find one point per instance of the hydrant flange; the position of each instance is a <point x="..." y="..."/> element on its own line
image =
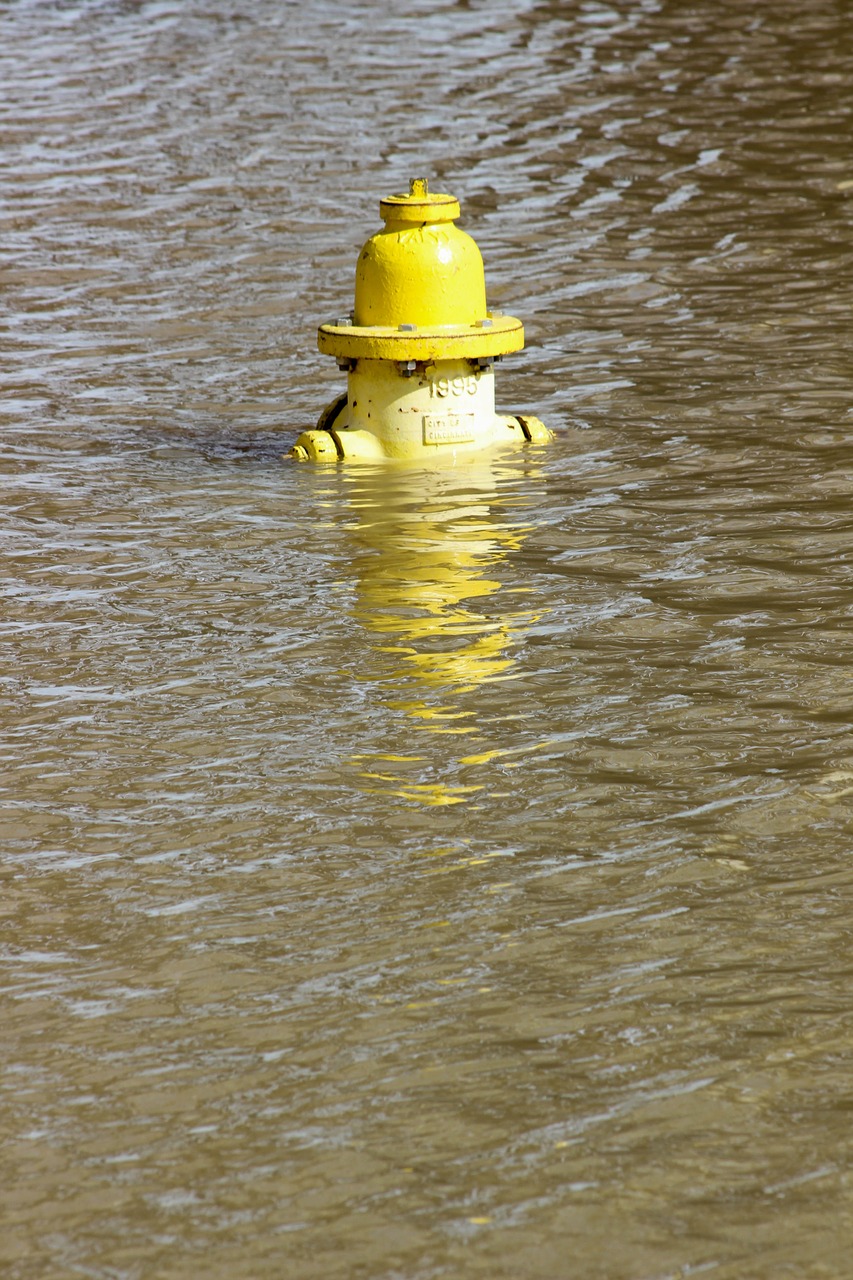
<point x="498" y="337"/>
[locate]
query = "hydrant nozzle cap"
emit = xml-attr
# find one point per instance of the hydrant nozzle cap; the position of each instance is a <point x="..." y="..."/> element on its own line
<point x="419" y="206"/>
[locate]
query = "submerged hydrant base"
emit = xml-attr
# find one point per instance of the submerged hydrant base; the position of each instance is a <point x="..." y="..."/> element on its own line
<point x="420" y="347"/>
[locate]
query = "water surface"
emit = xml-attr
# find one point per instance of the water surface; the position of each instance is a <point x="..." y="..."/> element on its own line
<point x="426" y="873"/>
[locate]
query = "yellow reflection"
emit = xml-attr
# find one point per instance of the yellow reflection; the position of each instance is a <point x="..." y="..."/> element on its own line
<point x="428" y="544"/>
<point x="428" y="549"/>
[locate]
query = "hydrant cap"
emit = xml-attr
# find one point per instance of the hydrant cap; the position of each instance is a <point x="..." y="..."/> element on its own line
<point x="419" y="206"/>
<point x="420" y="291"/>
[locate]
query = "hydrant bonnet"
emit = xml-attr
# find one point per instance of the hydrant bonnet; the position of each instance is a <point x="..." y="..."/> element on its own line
<point x="420" y="290"/>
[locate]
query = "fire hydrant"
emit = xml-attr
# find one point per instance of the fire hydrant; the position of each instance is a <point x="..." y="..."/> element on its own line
<point x="419" y="347"/>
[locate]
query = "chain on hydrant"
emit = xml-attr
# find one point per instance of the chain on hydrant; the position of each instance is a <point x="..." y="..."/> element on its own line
<point x="419" y="347"/>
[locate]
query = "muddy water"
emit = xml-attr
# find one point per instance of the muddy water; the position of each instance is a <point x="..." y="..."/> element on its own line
<point x="417" y="874"/>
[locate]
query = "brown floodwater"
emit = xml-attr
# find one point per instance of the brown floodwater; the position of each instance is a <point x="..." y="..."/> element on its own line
<point x="414" y="874"/>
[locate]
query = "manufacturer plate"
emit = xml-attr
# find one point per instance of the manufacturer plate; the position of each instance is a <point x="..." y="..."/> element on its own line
<point x="448" y="428"/>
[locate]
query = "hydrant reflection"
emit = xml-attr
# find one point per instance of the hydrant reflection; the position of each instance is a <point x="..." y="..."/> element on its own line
<point x="428" y="547"/>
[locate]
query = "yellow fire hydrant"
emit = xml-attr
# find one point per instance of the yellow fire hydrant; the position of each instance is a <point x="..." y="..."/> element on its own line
<point x="419" y="347"/>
